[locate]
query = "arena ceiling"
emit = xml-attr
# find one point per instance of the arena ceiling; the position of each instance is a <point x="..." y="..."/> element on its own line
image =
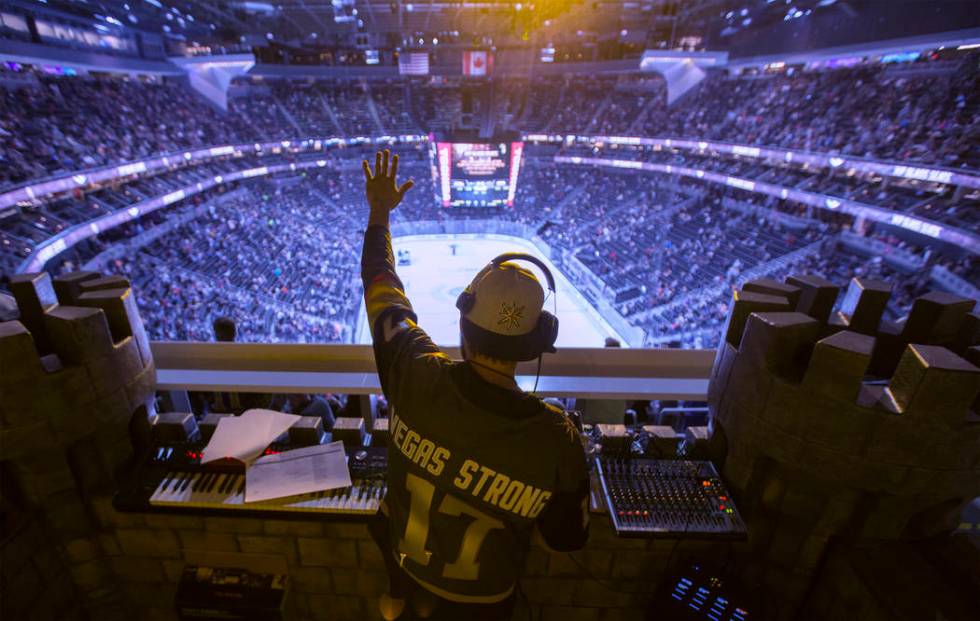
<point x="307" y="21"/>
<point x="651" y="22"/>
<point x="714" y="24"/>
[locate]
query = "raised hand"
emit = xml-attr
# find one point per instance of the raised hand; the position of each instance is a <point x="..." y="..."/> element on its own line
<point x="383" y="194"/>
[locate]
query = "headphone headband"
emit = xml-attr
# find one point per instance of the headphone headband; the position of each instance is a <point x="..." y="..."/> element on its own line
<point x="523" y="256"/>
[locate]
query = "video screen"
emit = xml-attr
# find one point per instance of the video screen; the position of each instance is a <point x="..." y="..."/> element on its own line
<point x="478" y="174"/>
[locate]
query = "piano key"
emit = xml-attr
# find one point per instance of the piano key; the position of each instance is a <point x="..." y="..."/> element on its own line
<point x="167" y="480"/>
<point x="181" y="481"/>
<point x="225" y="485"/>
<point x="216" y="483"/>
<point x="199" y="480"/>
<point x="190" y="481"/>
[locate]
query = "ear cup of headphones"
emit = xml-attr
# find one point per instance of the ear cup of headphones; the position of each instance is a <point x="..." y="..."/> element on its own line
<point x="547" y="330"/>
<point x="465" y="301"/>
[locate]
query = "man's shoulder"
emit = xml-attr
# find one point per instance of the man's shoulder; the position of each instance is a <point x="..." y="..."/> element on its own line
<point x="420" y="361"/>
<point x="551" y="410"/>
<point x="401" y="333"/>
<point x="561" y="424"/>
<point x="429" y="360"/>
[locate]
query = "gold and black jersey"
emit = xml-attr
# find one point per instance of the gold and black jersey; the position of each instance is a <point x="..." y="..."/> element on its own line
<point x="472" y="467"/>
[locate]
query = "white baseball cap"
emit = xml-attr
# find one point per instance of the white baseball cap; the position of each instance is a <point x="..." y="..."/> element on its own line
<point x="507" y="299"/>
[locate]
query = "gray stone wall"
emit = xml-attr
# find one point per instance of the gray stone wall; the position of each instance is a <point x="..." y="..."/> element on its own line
<point x="76" y="391"/>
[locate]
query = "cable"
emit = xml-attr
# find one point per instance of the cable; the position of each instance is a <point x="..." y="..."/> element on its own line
<point x="599" y="581"/>
<point x="673" y="549"/>
<point x="554" y="299"/>
<point x="670" y="556"/>
<point x="728" y="558"/>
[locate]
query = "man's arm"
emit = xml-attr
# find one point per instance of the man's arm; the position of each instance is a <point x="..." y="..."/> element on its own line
<point x="390" y="315"/>
<point x="563" y="526"/>
<point x="382" y="193"/>
<point x="383" y="290"/>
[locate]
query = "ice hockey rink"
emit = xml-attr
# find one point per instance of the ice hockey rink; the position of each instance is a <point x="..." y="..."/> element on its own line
<point x="436" y="276"/>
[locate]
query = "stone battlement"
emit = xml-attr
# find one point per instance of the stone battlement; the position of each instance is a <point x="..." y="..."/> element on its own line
<point x="838" y="426"/>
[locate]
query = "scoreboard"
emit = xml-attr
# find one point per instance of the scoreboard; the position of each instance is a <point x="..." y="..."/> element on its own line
<point x="477" y="174"/>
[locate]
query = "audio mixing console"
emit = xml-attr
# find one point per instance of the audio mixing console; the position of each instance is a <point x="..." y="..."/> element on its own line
<point x="668" y="498"/>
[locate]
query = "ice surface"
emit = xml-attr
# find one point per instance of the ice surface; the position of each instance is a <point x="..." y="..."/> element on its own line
<point x="435" y="278"/>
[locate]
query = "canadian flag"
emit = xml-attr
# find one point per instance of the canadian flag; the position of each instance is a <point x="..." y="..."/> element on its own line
<point x="477" y="63"/>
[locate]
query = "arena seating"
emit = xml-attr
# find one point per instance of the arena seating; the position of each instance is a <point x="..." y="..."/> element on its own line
<point x="283" y="254"/>
<point x="389" y="99"/>
<point x="69" y="124"/>
<point x="928" y="117"/>
<point x="937" y="204"/>
<point x="925" y="118"/>
<point x="273" y="256"/>
<point x="434" y="107"/>
<point x="699" y="322"/>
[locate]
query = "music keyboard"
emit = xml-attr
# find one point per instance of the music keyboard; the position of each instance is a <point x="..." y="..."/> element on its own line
<point x="172" y="480"/>
<point x="227" y="491"/>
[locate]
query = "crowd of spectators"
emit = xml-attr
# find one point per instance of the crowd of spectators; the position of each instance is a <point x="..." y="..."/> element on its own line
<point x="69" y="124"/>
<point x="877" y="111"/>
<point x="281" y="260"/>
<point x="936" y="202"/>
<point x="653" y="243"/>
<point x="53" y="125"/>
<point x="579" y="104"/>
<point x="699" y="321"/>
<point x="672" y="254"/>
<point x="389" y="99"/>
<point x="435" y="107"/>
<point x="861" y="111"/>
<point x="64" y="124"/>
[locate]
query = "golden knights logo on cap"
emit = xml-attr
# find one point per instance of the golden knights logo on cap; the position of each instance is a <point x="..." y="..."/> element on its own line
<point x="510" y="315"/>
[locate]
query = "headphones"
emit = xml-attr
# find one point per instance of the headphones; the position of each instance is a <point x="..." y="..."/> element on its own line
<point x="541" y="339"/>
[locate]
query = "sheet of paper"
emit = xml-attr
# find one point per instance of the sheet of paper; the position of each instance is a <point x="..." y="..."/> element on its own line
<point x="245" y="437"/>
<point x="300" y="471"/>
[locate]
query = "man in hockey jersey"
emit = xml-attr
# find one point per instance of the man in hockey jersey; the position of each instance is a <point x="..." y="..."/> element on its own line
<point x="476" y="466"/>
